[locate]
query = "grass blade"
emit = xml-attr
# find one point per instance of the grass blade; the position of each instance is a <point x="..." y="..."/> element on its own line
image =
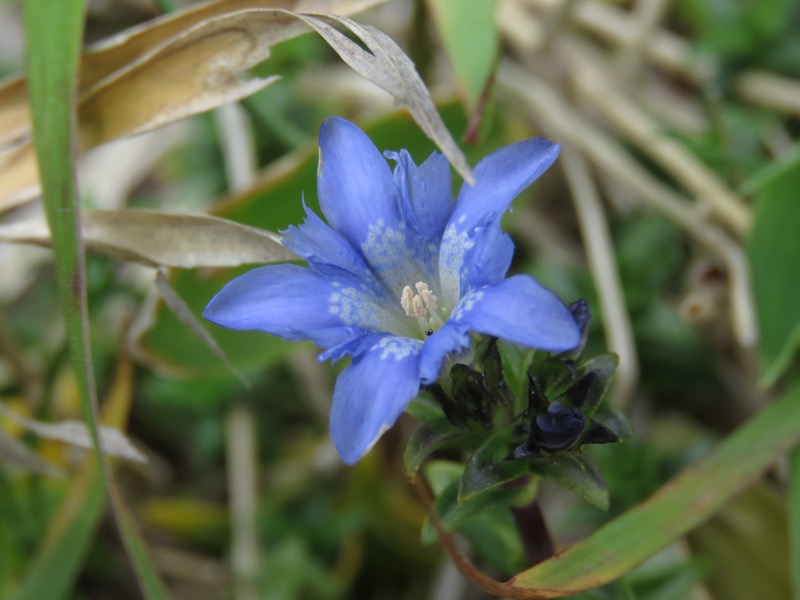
<point x="794" y="520"/>
<point x="53" y="36"/>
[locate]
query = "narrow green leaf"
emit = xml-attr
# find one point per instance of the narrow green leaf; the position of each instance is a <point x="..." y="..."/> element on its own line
<point x="682" y="504"/>
<point x="441" y="473"/>
<point x="603" y="368"/>
<point x="486" y="469"/>
<point x="495" y="537"/>
<point x="772" y="171"/>
<point x="794" y="520"/>
<point x="516" y="362"/>
<point x="453" y="513"/>
<point x="424" y="407"/>
<point x="427" y="439"/>
<point x="577" y="473"/>
<point x="774" y="249"/>
<point x="53" y="38"/>
<point x="469" y="35"/>
<point x="748" y="544"/>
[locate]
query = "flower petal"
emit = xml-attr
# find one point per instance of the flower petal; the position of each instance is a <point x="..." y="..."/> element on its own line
<point x="360" y="200"/>
<point x="318" y="244"/>
<point x="372" y="393"/>
<point x="427" y="190"/>
<point x="500" y="177"/>
<point x="521" y="311"/>
<point x="354" y="184"/>
<point x="452" y="338"/>
<point x="296" y="304"/>
<point x="490" y="258"/>
<point x="452" y="254"/>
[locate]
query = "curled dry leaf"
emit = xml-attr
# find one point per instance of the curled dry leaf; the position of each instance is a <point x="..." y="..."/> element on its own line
<point x="387" y="66"/>
<point x="128" y="46"/>
<point x="77" y="434"/>
<point x="163" y="239"/>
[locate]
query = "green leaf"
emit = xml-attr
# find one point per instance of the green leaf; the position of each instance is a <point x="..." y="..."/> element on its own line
<point x="424" y="407"/>
<point x="774" y="249"/>
<point x="453" y="513"/>
<point x="794" y="519"/>
<point x="427" y="439"/>
<point x="487" y="468"/>
<point x="678" y="507"/>
<point x="516" y="362"/>
<point x="601" y="369"/>
<point x="441" y="473"/>
<point x="613" y="418"/>
<point x="772" y="170"/>
<point x="575" y="472"/>
<point x="494" y="536"/>
<point x="469" y="36"/>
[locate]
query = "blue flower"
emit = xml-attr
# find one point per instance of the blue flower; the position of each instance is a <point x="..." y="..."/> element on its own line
<point x="399" y="276"/>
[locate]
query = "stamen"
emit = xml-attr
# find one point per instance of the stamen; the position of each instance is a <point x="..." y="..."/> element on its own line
<point x="423" y="306"/>
<point x="427" y="296"/>
<point x="406" y="301"/>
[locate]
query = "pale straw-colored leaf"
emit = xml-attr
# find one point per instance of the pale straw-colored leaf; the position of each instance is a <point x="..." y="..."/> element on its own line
<point x="76" y="433"/>
<point x="157" y="73"/>
<point x="163" y="239"/>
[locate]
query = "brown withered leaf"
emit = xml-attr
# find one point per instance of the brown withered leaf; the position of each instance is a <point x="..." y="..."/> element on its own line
<point x="163" y="239"/>
<point x="15" y="116"/>
<point x="128" y="46"/>
<point x="154" y="74"/>
<point x="137" y="43"/>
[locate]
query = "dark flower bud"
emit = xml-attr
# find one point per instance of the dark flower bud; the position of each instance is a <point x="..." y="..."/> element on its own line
<point x="559" y="428"/>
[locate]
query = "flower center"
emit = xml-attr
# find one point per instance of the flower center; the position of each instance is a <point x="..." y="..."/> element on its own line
<point x="423" y="306"/>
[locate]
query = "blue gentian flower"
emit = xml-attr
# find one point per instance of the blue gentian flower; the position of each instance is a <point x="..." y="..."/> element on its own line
<point x="399" y="276"/>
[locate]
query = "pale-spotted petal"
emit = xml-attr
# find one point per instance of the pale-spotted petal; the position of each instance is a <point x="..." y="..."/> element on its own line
<point x="499" y="178"/>
<point x="294" y="303"/>
<point x="520" y="310"/>
<point x="372" y="392"/>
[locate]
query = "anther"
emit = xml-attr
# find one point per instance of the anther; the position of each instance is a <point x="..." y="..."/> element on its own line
<point x="427" y="296"/>
<point x="423" y="306"/>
